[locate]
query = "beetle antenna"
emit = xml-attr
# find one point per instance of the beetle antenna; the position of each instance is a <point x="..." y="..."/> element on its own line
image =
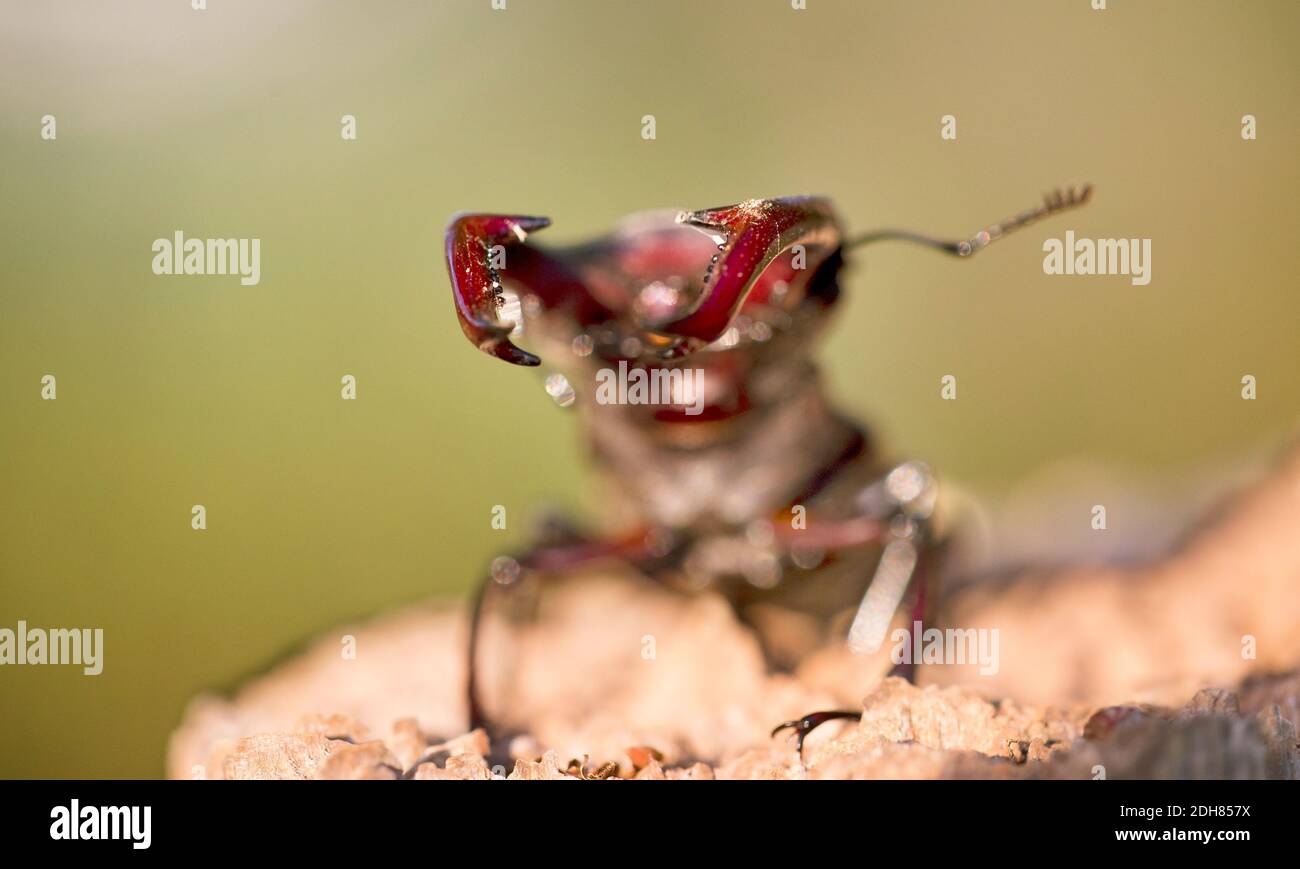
<point x="1053" y="203"/>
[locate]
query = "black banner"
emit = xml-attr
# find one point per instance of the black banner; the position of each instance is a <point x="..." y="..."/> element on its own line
<point x="209" y="818"/>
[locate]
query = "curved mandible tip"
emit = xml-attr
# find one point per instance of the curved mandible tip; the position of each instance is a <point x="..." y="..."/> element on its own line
<point x="476" y="244"/>
<point x="749" y="235"/>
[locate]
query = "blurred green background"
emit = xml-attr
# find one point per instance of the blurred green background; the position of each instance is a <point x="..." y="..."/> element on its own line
<point x="174" y="391"/>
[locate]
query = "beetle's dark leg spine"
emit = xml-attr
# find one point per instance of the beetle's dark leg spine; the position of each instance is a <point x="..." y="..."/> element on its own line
<point x="473" y="692"/>
<point x="806" y="725"/>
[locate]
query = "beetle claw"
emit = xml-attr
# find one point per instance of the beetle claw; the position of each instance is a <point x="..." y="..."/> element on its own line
<point x="801" y="727"/>
<point x="750" y="236"/>
<point x="500" y="346"/>
<point x="476" y="282"/>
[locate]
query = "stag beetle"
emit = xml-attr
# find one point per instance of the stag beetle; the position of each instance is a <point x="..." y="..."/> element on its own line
<point x="754" y="486"/>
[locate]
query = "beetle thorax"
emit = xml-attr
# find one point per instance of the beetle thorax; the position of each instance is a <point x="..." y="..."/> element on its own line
<point x="716" y="474"/>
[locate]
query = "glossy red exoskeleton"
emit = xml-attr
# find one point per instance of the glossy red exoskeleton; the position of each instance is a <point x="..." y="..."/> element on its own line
<point x="747" y="482"/>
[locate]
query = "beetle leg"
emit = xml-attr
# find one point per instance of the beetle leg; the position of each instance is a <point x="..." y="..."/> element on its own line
<point x="475" y="244"/>
<point x="907" y="493"/>
<point x="552" y="559"/>
<point x="921" y="577"/>
<point x="801" y="727"/>
<point x="750" y="236"/>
